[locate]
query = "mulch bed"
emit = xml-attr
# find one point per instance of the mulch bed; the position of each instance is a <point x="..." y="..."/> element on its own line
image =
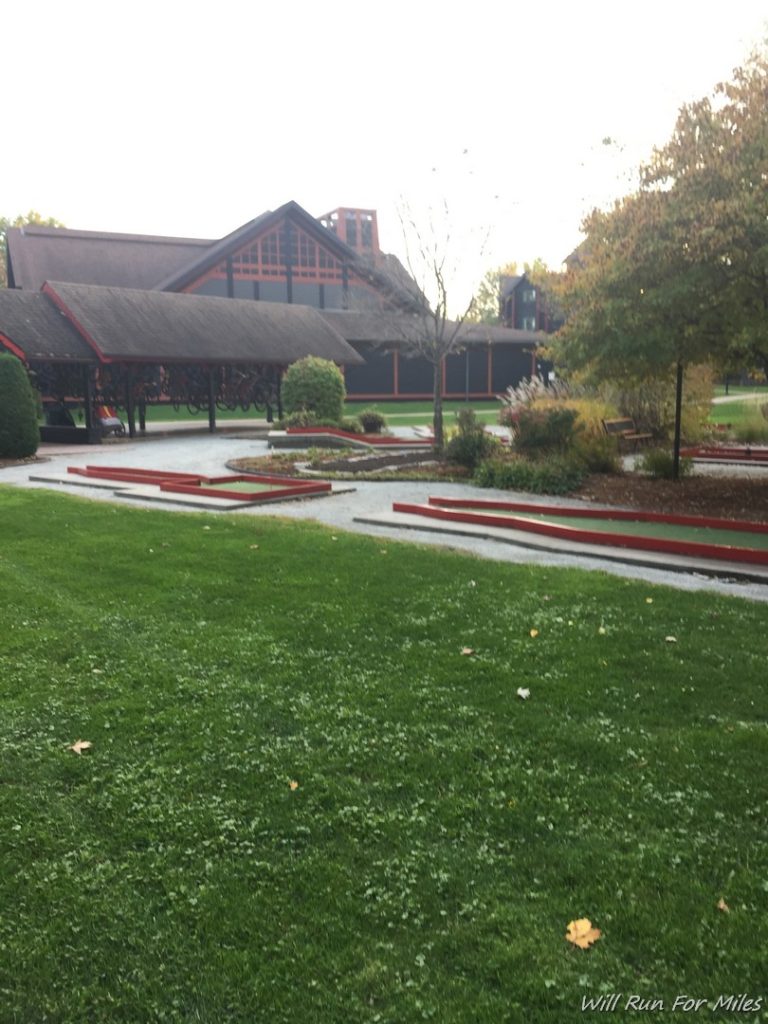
<point x="723" y="497"/>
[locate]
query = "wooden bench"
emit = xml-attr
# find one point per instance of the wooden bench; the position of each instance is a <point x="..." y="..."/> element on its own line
<point x="626" y="433"/>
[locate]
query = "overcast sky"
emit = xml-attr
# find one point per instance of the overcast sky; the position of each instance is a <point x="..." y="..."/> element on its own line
<point x="188" y="118"/>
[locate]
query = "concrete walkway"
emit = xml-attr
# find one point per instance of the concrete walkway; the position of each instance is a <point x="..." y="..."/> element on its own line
<point x="364" y="510"/>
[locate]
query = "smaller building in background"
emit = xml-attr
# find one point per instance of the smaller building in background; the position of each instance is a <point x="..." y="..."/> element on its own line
<point x="524" y="307"/>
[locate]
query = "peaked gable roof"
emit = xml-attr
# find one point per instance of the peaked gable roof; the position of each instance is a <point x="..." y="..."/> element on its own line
<point x="122" y="324"/>
<point x="242" y="236"/>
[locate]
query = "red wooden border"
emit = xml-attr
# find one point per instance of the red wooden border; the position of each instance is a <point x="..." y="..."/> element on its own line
<point x="746" y="525"/>
<point x="621" y="540"/>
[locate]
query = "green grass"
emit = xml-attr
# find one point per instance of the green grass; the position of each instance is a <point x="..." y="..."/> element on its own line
<point x="443" y="832"/>
<point x="411" y="414"/>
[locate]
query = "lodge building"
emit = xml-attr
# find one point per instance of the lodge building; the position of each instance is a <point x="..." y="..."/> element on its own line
<point x="301" y="285"/>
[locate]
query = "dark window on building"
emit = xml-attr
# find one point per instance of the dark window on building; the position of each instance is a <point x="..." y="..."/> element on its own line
<point x="366" y="231"/>
<point x="305" y="294"/>
<point x="529" y="295"/>
<point x="334" y="296"/>
<point x="351" y="230"/>
<point x="273" y="291"/>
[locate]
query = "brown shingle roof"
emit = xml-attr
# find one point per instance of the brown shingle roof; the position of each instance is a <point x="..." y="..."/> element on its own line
<point x="39" y="254"/>
<point x="360" y="326"/>
<point x="34" y="326"/>
<point x="126" y="323"/>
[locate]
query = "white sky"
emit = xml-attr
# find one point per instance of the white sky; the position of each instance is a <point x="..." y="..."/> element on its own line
<point x="190" y="118"/>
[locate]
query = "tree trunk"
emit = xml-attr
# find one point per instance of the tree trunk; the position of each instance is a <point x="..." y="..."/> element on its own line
<point x="437" y="405"/>
<point x="678" y="420"/>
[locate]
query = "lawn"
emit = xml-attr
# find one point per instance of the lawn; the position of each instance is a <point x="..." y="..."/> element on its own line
<point x="304" y="803"/>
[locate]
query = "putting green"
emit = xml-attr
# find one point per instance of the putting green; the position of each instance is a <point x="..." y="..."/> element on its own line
<point x="639" y="528"/>
<point x="245" y="486"/>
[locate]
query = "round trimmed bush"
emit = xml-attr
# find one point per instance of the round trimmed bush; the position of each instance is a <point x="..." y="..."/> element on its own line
<point x="19" y="433"/>
<point x="314" y="385"/>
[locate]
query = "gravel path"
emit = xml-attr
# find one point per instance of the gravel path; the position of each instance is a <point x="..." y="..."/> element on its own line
<point x="209" y="454"/>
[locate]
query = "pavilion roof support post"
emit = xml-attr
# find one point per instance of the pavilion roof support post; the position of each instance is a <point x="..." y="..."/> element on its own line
<point x="88" y="398"/>
<point x="143" y="415"/>
<point x="279" y="393"/>
<point x="130" y="410"/>
<point x="212" y="373"/>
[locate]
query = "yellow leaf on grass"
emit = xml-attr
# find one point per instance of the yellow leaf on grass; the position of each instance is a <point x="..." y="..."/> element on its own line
<point x="534" y="633"/>
<point x="293" y="784"/>
<point x="722" y="905"/>
<point x="581" y="933"/>
<point x="80" y="745"/>
<point x="467" y="650"/>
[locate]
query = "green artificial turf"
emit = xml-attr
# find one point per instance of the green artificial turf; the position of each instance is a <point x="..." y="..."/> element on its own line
<point x="640" y="528"/>
<point x="304" y="803"/>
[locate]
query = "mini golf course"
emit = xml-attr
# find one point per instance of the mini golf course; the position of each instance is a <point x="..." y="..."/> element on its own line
<point x="222" y="492"/>
<point x="696" y="537"/>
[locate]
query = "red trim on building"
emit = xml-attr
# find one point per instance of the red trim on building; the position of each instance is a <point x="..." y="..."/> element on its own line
<point x="64" y="308"/>
<point x="13" y="349"/>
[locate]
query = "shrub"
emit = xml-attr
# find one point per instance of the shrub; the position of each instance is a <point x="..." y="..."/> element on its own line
<point x="553" y="475"/>
<point x="314" y="385"/>
<point x="302" y="418"/>
<point x="351" y="425"/>
<point x="538" y="433"/>
<point x="372" y="421"/>
<point x="470" y="444"/>
<point x="598" y="454"/>
<point x="19" y="433"/>
<point x="660" y="464"/>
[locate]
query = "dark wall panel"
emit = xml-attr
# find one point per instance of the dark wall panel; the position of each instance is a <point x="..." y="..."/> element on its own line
<point x="376" y="377"/>
<point x="510" y="365"/>
<point x="415" y="375"/>
<point x="456" y="372"/>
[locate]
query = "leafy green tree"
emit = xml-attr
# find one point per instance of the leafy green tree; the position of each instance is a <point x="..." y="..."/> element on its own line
<point x="715" y="164"/>
<point x="677" y="273"/>
<point x="19" y="434"/>
<point x="33" y="217"/>
<point x="486" y="306"/>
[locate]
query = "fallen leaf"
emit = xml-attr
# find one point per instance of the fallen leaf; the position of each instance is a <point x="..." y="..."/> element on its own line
<point x="467" y="650"/>
<point x="722" y="905"/>
<point x="602" y="630"/>
<point x="534" y="633"/>
<point x="649" y="600"/>
<point x="80" y="745"/>
<point x="523" y="693"/>
<point x="293" y="784"/>
<point x="670" y="639"/>
<point x="254" y="547"/>
<point x="581" y="933"/>
<point x="206" y="527"/>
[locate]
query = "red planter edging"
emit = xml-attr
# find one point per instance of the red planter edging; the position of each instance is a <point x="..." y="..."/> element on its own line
<point x="730" y="453"/>
<point x="621" y="540"/>
<point x="371" y="439"/>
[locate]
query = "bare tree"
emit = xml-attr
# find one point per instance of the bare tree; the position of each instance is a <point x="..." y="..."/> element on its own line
<point x="432" y="263"/>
